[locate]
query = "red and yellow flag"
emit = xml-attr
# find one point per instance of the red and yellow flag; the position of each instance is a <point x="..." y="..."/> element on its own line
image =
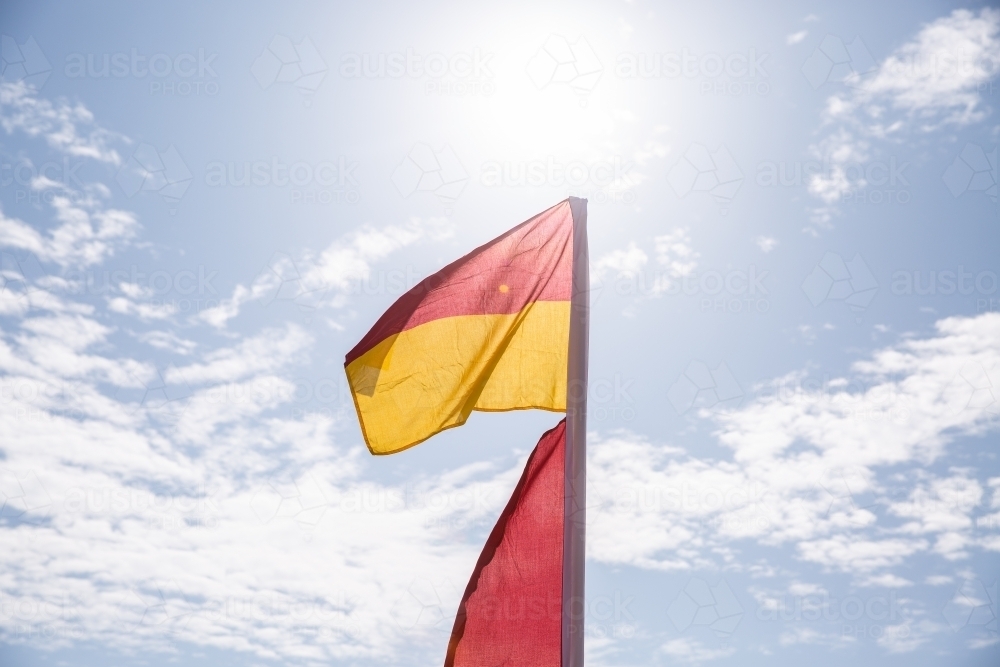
<point x="503" y="328"/>
<point x="488" y="332"/>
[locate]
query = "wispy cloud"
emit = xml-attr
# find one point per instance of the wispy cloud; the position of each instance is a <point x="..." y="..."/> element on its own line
<point x="626" y="262"/>
<point x="766" y="243"/>
<point x="796" y="37"/>
<point x="932" y="81"/>
<point x="806" y="462"/>
<point x="326" y="279"/>
<point x="87" y="234"/>
<point x="266" y="352"/>
<point x="69" y="128"/>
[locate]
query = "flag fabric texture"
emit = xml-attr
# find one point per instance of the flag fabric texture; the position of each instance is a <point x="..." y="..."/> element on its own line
<point x="511" y="612"/>
<point x="488" y="332"/>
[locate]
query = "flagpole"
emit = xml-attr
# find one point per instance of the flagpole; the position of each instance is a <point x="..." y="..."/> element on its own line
<point x="575" y="507"/>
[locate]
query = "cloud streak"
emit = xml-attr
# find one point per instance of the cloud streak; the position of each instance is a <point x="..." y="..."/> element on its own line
<point x="932" y="81"/>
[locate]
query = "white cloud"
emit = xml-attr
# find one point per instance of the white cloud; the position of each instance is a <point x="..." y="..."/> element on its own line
<point x="144" y="311"/>
<point x="674" y="251"/>
<point x="326" y="280"/>
<point x="838" y="150"/>
<point x="54" y="347"/>
<point x="936" y="77"/>
<point x="218" y="316"/>
<point x="673" y="254"/>
<point x="800" y="635"/>
<point x="943" y="507"/>
<point x="88" y="234"/>
<point x="135" y="291"/>
<point x="796" y="37"/>
<point x="269" y="351"/>
<point x="343" y="263"/>
<point x="171" y="488"/>
<point x="932" y="81"/>
<point x="624" y="263"/>
<point x="907" y="637"/>
<point x="766" y="243"/>
<point x="167" y="340"/>
<point x="234" y="526"/>
<point x="887" y="580"/>
<point x="805" y="467"/>
<point x="323" y="580"/>
<point x="170" y="473"/>
<point x="802" y="589"/>
<point x="27" y="286"/>
<point x="61" y="124"/>
<point x="690" y="650"/>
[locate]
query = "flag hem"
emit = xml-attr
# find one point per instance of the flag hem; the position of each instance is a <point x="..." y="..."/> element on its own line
<point x="371" y="451"/>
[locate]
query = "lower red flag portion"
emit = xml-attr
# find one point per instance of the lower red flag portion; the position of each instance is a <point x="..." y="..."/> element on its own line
<point x="511" y="613"/>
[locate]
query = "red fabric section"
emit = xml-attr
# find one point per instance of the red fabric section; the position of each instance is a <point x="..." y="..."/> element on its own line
<point x="511" y="613"/>
<point x="532" y="262"/>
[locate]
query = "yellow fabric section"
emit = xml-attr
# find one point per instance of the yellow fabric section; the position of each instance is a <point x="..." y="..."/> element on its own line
<point x="430" y="378"/>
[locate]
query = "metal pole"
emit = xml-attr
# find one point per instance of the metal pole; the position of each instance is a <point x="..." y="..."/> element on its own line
<point x="575" y="508"/>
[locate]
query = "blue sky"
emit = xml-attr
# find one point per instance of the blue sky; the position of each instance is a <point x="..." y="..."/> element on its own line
<point x="795" y="347"/>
